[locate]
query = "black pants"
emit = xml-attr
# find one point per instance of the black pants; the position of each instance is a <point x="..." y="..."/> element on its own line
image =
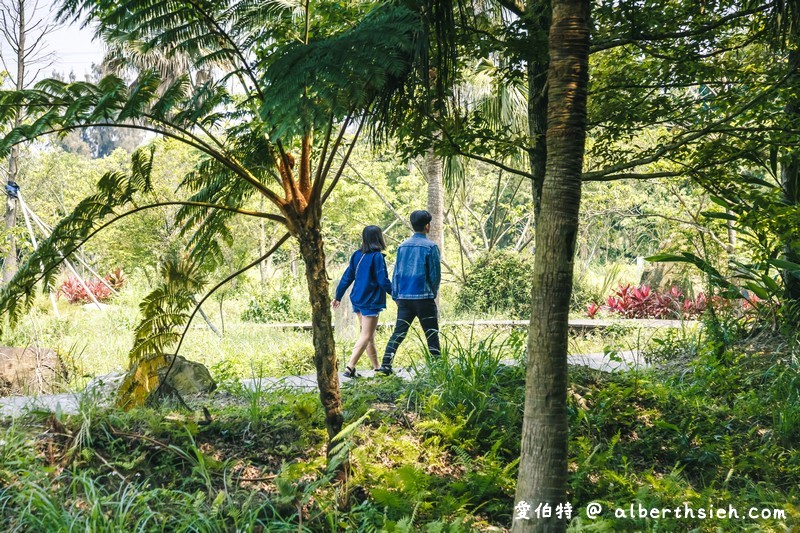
<point x="407" y="311"/>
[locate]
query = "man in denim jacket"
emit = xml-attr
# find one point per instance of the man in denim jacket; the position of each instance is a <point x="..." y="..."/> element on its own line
<point x="415" y="283"/>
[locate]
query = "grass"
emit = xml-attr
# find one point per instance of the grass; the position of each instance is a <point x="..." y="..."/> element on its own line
<point x="96" y="343"/>
<point x="716" y="427"/>
<point x="714" y="422"/>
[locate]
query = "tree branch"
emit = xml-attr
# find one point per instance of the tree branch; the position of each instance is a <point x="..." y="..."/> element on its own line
<point x="622" y="41"/>
<point x="66" y="253"/>
<point x="684" y="138"/>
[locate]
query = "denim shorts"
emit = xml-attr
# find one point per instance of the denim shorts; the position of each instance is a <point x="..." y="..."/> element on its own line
<point x="366" y="311"/>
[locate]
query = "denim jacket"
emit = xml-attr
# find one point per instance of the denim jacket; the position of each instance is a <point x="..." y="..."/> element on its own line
<point x="417" y="272"/>
<point x="368" y="271"/>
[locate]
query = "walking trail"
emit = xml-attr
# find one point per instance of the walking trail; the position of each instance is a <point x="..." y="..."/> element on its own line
<point x="68" y="403"/>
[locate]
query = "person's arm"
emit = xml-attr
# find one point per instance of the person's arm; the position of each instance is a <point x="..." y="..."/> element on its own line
<point x="382" y="274"/>
<point x="434" y="269"/>
<point x="347" y="278"/>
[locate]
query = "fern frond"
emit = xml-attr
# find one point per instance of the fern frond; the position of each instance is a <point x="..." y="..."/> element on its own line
<point x="199" y="33"/>
<point x="57" y="106"/>
<point x="166" y="309"/>
<point x="307" y="84"/>
<point x="114" y="189"/>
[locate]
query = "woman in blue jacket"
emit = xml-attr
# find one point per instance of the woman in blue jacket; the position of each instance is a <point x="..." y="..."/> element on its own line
<point x="367" y="272"/>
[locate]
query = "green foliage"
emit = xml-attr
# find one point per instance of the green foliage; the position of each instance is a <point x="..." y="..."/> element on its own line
<point x="290" y="87"/>
<point x="716" y="430"/>
<point x="341" y="70"/>
<point x="115" y="189"/>
<point x="438" y="453"/>
<point x="471" y="399"/>
<point x="285" y="304"/>
<point x="499" y="281"/>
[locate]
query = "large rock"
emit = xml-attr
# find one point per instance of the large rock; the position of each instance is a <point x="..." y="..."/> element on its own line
<point x="188" y="377"/>
<point x="30" y="370"/>
<point x="185" y="378"/>
<point x="104" y="388"/>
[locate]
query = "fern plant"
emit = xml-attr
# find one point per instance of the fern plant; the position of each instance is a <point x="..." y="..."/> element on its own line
<point x="285" y="91"/>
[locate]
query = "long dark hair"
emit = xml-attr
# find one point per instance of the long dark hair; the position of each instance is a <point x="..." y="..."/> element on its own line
<point x="372" y="240"/>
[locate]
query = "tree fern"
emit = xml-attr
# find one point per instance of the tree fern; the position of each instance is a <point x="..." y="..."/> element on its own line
<point x="292" y="102"/>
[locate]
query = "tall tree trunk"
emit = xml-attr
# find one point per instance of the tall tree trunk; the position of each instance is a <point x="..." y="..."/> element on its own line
<point x="537" y="22"/>
<point x="790" y="179"/>
<point x="311" y="249"/>
<point x="434" y="173"/>
<point x="543" y="463"/>
<point x="10" y="264"/>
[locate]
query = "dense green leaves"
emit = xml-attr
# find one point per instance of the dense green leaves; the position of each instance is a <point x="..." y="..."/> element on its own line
<point x="308" y="84"/>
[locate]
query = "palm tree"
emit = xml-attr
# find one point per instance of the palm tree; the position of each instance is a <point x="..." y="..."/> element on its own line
<point x="543" y="462"/>
<point x="278" y="122"/>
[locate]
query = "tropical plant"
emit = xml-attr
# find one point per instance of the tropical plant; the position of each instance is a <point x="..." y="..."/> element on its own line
<point x="644" y="302"/>
<point x="284" y="133"/>
<point x="77" y="291"/>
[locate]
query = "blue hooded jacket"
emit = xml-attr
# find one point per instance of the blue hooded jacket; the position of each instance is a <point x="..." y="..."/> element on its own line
<point x="372" y="284"/>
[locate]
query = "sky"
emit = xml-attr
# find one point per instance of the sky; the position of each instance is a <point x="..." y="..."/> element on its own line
<point x="72" y="47"/>
<point x="74" y="50"/>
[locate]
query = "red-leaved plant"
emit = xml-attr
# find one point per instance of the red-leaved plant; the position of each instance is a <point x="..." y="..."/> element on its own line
<point x="643" y="302"/>
<point x="75" y="291"/>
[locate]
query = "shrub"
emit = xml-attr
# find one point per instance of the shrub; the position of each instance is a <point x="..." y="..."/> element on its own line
<point x="643" y="302"/>
<point x="278" y="307"/>
<point x="75" y="291"/>
<point x="583" y="293"/>
<point x="498" y="282"/>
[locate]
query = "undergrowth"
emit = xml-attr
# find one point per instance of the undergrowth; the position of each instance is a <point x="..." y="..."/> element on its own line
<point x="717" y="426"/>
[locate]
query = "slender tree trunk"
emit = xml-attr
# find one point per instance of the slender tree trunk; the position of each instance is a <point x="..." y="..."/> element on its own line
<point x="537" y="22"/>
<point x="543" y="463"/>
<point x="435" y="175"/>
<point x="262" y="249"/>
<point x="790" y="179"/>
<point x="325" y="362"/>
<point x="731" y="248"/>
<point x="10" y="264"/>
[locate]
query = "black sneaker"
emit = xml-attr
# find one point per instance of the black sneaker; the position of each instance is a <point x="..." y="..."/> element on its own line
<point x="350" y="372"/>
<point x="385" y="370"/>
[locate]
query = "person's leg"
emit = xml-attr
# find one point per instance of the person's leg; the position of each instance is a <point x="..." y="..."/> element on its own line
<point x="405" y="315"/>
<point x="429" y="319"/>
<point x="358" y="349"/>
<point x="366" y="341"/>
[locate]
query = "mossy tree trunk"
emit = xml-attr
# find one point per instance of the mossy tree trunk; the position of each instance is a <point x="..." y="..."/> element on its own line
<point x="302" y="208"/>
<point x="311" y="248"/>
